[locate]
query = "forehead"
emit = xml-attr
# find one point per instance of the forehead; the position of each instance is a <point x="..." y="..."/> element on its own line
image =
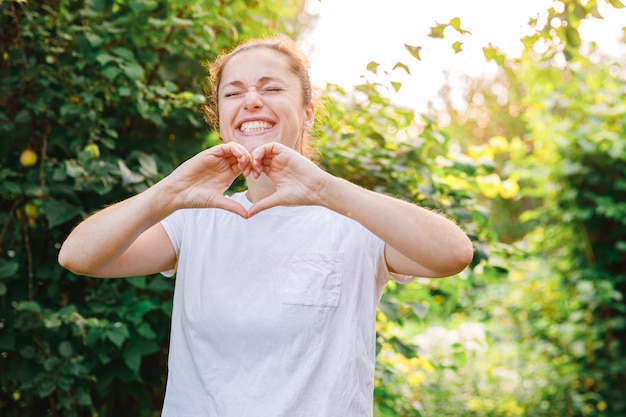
<point x="255" y="64"/>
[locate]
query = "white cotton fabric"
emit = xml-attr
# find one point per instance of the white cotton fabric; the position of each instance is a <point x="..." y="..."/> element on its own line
<point x="273" y="316"/>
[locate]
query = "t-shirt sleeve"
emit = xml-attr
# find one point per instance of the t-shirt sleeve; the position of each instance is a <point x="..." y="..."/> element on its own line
<point x="384" y="274"/>
<point x="173" y="225"/>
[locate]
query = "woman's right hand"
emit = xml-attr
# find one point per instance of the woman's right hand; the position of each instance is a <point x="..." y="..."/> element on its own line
<point x="126" y="239"/>
<point x="200" y="182"/>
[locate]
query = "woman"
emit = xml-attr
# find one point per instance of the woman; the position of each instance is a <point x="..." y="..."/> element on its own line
<point x="277" y="287"/>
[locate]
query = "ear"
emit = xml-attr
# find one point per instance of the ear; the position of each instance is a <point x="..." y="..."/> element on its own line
<point x="309" y="116"/>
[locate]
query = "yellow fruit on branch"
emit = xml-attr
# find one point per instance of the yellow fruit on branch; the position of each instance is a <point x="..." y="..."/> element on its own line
<point x="93" y="150"/>
<point x="31" y="210"/>
<point x="28" y="158"/>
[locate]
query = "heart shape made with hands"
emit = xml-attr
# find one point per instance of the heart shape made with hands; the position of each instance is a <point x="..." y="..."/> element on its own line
<point x="276" y="174"/>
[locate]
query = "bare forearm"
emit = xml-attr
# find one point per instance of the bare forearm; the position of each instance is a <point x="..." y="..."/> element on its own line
<point x="427" y="238"/>
<point x="106" y="235"/>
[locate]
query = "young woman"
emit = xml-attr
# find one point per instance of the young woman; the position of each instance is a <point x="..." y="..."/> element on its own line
<point x="276" y="287"/>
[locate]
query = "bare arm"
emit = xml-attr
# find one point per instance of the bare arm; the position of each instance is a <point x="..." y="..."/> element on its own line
<point x="126" y="239"/>
<point x="419" y="242"/>
<point x="121" y="240"/>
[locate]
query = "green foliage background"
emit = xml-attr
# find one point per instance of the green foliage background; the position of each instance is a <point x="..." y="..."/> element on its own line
<point x="107" y="95"/>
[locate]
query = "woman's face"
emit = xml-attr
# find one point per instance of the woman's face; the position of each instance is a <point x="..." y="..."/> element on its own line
<point x="260" y="101"/>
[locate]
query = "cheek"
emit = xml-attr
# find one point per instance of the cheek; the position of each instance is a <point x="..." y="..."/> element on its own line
<point x="221" y="117"/>
<point x="223" y="124"/>
<point x="226" y="111"/>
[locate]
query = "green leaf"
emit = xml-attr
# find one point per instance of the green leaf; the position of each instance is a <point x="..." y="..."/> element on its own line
<point x="158" y="23"/>
<point x="58" y="212"/>
<point x="93" y="39"/>
<point x="419" y="309"/>
<point x="110" y="72"/>
<point x="129" y="177"/>
<point x="95" y="5"/>
<point x="30" y="306"/>
<point x="146" y="331"/>
<point x="84" y="398"/>
<point x="455" y="22"/>
<point x="402" y="66"/>
<point x="8" y="268"/>
<point x="104" y="58"/>
<point x="52" y="321"/>
<point x="460" y="357"/>
<point x="176" y="21"/>
<point x="139" y="282"/>
<point x="437" y="31"/>
<point x="36" y="191"/>
<point x="65" y="349"/>
<point x="414" y="50"/>
<point x="23" y="116"/>
<point x="144" y="306"/>
<point x="616" y="3"/>
<point x="148" y="166"/>
<point x="373" y="67"/>
<point x="493" y="54"/>
<point x="10" y="187"/>
<point x="117" y="334"/>
<point x="132" y="70"/>
<point x="159" y="284"/>
<point x="124" y="53"/>
<point x="46" y="388"/>
<point x="573" y="37"/>
<point x="27" y="352"/>
<point x="134" y="352"/>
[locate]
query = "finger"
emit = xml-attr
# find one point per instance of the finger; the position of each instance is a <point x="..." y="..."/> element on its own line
<point x="243" y="158"/>
<point x="264" y="156"/>
<point x="244" y="164"/>
<point x="257" y="157"/>
<point x="237" y="157"/>
<point x="264" y="204"/>
<point x="231" y="205"/>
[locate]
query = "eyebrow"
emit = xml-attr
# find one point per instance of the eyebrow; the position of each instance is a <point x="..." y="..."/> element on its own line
<point x="262" y="80"/>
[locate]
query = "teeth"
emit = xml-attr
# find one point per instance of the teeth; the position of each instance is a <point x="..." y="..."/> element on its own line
<point x="255" y="126"/>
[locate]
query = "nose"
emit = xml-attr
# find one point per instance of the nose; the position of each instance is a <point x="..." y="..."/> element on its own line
<point x="253" y="99"/>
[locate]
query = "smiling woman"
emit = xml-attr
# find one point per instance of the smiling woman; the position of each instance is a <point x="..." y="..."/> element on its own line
<point x="276" y="287"/>
<point x="266" y="94"/>
<point x="245" y="85"/>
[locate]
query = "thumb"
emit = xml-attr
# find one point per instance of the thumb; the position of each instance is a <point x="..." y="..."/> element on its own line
<point x="264" y="204"/>
<point x="231" y="205"/>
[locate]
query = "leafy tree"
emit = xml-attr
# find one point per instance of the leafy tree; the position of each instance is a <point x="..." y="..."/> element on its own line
<point x="577" y="117"/>
<point x="569" y="162"/>
<point x="98" y="100"/>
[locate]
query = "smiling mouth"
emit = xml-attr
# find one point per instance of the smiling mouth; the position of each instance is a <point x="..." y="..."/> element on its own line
<point x="256" y="126"/>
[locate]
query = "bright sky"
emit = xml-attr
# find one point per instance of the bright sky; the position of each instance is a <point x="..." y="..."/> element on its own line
<point x="351" y="33"/>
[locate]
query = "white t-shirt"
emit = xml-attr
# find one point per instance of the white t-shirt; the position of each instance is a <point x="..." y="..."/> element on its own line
<point x="273" y="316"/>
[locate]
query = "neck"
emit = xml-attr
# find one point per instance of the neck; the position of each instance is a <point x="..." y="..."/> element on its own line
<point x="259" y="188"/>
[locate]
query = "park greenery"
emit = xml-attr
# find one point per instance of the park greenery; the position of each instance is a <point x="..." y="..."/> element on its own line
<point x="99" y="99"/>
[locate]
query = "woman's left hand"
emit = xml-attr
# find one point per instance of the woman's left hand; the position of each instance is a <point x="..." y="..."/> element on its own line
<point x="419" y="242"/>
<point x="298" y="180"/>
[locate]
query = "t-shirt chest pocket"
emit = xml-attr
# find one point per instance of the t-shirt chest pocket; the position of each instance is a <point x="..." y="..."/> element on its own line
<point x="314" y="279"/>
